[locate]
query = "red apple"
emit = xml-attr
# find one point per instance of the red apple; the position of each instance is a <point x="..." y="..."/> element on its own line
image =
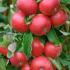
<point x="28" y="7"/>
<point x="18" y="22"/>
<point x="51" y="50"/>
<point x="40" y="25"/>
<point x="18" y="59"/>
<point x="59" y="18"/>
<point x="49" y="7"/>
<point x="41" y="63"/>
<point x="37" y="47"/>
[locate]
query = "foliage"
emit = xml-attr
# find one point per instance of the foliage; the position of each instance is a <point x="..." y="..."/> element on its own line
<point x="24" y="40"/>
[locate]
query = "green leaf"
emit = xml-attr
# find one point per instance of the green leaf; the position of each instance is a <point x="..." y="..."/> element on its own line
<point x="4" y="3"/>
<point x="27" y="43"/>
<point x="65" y="1"/>
<point x="0" y="3"/>
<point x="52" y="37"/>
<point x="43" y="39"/>
<point x="10" y="54"/>
<point x="3" y="18"/>
<point x="1" y="39"/>
<point x="65" y="62"/>
<point x="69" y="67"/>
<point x="14" y="2"/>
<point x="18" y="39"/>
<point x="3" y="9"/>
<point x="10" y="67"/>
<point x="12" y="47"/>
<point x="2" y="64"/>
<point x="56" y="63"/>
<point x="38" y="1"/>
<point x="65" y="33"/>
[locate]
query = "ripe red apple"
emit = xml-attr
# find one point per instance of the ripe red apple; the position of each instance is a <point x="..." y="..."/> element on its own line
<point x="49" y="7"/>
<point x="18" y="59"/>
<point x="18" y="22"/>
<point x="28" y="7"/>
<point x="51" y="50"/>
<point x="37" y="47"/>
<point x="40" y="25"/>
<point x="59" y="18"/>
<point x="26" y="67"/>
<point x="41" y="63"/>
<point x="3" y="51"/>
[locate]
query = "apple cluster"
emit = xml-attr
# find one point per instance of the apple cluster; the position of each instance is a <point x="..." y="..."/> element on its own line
<point x="38" y="17"/>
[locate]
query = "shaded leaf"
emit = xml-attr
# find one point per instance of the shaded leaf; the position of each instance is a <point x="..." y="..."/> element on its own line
<point x="52" y="37"/>
<point x="10" y="67"/>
